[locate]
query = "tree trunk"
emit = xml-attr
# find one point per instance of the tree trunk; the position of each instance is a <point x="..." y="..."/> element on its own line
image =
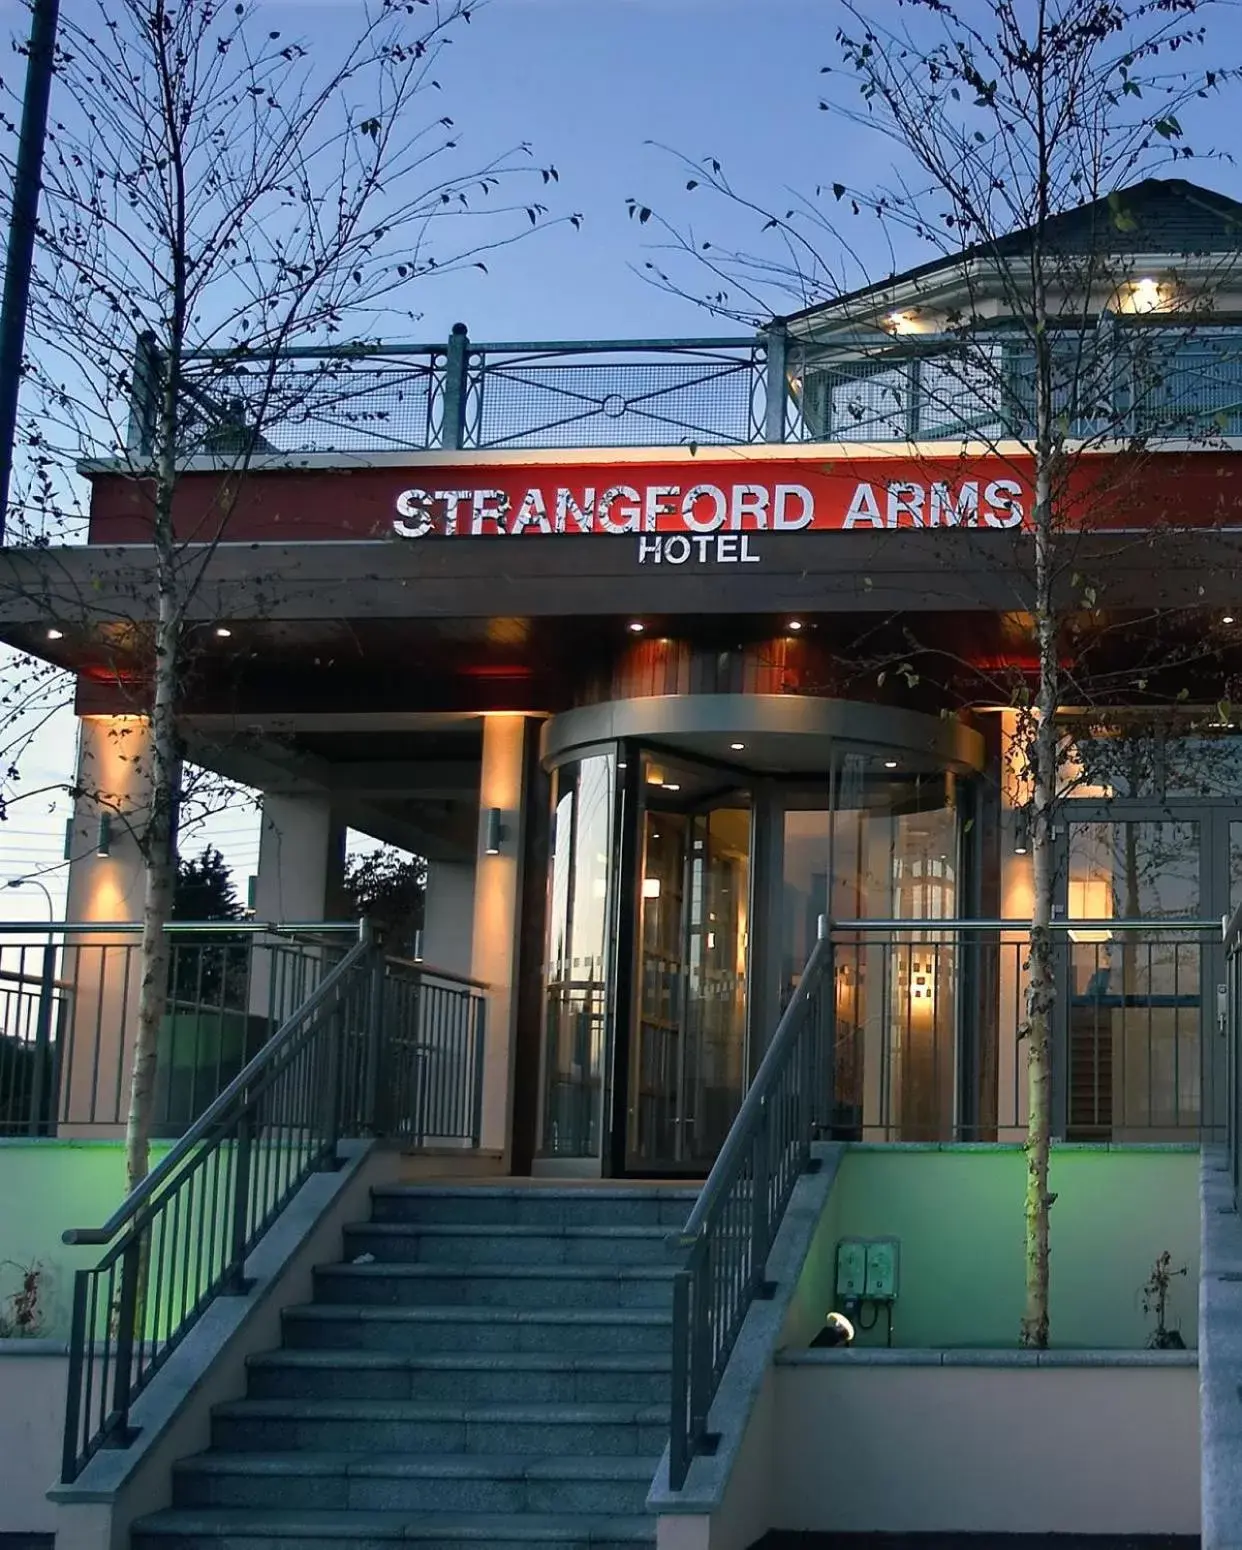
<point x="160" y="881"/>
<point x="1041" y="995"/>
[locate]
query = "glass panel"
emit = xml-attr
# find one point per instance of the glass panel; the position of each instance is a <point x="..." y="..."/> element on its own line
<point x="1151" y="761"/>
<point x="688" y="1053"/>
<point x="1134" y="997"/>
<point x="579" y="937"/>
<point x="888" y="853"/>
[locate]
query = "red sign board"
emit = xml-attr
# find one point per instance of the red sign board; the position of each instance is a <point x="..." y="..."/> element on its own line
<point x="688" y="496"/>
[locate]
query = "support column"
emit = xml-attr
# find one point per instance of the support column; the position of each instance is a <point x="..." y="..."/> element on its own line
<point x="448" y="917"/>
<point x="301" y="875"/>
<point x="497" y="907"/>
<point x="97" y="1011"/>
<point x="301" y="860"/>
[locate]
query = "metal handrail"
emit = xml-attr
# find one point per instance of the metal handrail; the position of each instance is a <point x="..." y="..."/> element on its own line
<point x="734" y="1222"/>
<point x="271" y="1051"/>
<point x="178" y="927"/>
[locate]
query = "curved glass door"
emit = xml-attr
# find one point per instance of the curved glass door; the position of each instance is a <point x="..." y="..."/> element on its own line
<point x="687" y="1066"/>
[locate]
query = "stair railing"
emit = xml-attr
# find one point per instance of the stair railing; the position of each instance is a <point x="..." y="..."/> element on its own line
<point x="730" y="1232"/>
<point x="381" y="1047"/>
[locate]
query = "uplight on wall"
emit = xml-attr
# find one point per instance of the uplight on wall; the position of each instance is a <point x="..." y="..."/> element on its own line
<point x="1021" y="832"/>
<point x="103" y="841"/>
<point x="493" y="832"/>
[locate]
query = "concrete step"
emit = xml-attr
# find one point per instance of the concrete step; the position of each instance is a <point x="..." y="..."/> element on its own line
<point x="345" y="1482"/>
<point x="414" y="1331"/>
<point x="408" y="1426"/>
<point x="495" y="1378"/>
<point x="534" y="1205"/>
<point x="496" y="1286"/>
<point x="431" y="1243"/>
<point x="247" y="1528"/>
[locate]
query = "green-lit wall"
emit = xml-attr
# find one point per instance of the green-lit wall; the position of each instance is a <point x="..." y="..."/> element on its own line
<point x="957" y="1212"/>
<point x="46" y="1186"/>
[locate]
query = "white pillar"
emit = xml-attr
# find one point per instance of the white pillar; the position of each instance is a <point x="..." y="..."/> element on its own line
<point x="113" y="779"/>
<point x="496" y="904"/>
<point x="448" y="917"/>
<point x="301" y="859"/>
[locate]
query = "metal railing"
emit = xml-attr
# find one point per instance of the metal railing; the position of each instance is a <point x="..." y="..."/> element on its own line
<point x="918" y="994"/>
<point x="380" y="1047"/>
<point x="1232" y="1016"/>
<point x="69" y="1001"/>
<point x="1123" y="376"/>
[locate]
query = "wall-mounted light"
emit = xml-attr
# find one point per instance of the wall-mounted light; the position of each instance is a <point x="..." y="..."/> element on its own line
<point x="1021" y="832"/>
<point x="493" y="832"/>
<point x="651" y="887"/>
<point x="103" y="841"/>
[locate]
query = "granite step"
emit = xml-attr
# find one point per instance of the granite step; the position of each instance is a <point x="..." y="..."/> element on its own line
<point x="495" y="1286"/>
<point x="413" y="1331"/>
<point x="487" y="1244"/>
<point x="533" y="1205"/>
<point x="247" y="1528"/>
<point x="345" y="1482"/>
<point x="493" y="1378"/>
<point x="408" y="1426"/>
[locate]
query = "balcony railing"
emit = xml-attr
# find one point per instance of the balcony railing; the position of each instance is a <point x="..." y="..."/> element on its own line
<point x="1144" y="997"/>
<point x="1116" y="378"/>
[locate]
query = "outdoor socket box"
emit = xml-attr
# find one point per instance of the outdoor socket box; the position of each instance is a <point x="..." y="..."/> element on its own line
<point x="867" y="1270"/>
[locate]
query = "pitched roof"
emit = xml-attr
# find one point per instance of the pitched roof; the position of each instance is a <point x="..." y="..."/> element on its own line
<point x="1158" y="215"/>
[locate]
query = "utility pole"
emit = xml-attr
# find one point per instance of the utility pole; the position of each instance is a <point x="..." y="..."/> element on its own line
<point x="28" y="176"/>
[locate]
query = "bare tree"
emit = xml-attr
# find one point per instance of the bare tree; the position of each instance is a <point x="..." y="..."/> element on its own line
<point x="1021" y="135"/>
<point x="223" y="194"/>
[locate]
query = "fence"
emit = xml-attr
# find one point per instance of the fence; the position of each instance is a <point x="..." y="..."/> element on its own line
<point x="378" y="1047"/>
<point x="68" y="1016"/>
<point x="872" y="1043"/>
<point x="1127" y="378"/>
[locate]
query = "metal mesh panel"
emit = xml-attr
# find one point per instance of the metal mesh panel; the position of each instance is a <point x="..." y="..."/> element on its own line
<point x="707" y="400"/>
<point x="316" y="405"/>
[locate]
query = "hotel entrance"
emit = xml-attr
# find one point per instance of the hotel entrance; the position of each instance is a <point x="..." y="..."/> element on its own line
<point x="688" y="870"/>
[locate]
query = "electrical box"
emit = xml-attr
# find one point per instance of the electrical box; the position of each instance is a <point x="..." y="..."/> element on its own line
<point x="866" y="1270"/>
<point x="851" y="1270"/>
<point x="882" y="1270"/>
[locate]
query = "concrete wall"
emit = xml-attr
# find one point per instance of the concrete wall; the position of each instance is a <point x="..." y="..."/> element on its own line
<point x="47" y="1187"/>
<point x="32" y="1417"/>
<point x="863" y="1447"/>
<point x="957" y="1212"/>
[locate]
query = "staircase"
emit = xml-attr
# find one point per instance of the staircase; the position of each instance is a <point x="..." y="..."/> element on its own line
<point x="490" y="1365"/>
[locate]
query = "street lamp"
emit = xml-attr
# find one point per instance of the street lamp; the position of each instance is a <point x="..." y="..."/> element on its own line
<point x="43" y="1021"/>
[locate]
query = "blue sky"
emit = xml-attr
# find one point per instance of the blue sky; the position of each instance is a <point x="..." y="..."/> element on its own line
<point x="589" y="83"/>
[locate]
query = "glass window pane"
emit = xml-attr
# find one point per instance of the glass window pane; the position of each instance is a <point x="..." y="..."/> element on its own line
<point x="578" y="966"/>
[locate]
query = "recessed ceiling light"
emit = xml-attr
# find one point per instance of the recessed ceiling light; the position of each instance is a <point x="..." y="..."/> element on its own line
<point x="223" y="631"/>
<point x="636" y="627"/>
<point x="795" y="624"/>
<point x="890" y="764"/>
<point x="56" y="635"/>
<point x="737" y="747"/>
<point x="671" y="785"/>
<point x="1226" y="619"/>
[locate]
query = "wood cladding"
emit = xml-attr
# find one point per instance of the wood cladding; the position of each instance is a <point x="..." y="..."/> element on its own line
<point x="786" y="664"/>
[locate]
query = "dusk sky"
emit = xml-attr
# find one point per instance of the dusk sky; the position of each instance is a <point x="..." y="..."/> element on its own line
<point x="589" y="83"/>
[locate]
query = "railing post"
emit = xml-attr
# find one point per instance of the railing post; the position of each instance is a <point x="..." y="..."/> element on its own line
<point x="43" y="1039"/>
<point x="79" y="1354"/>
<point x="775" y="420"/>
<point x="700" y="1343"/>
<point x="678" y="1439"/>
<point x="127" y="1318"/>
<point x="144" y="395"/>
<point x="480" y="1050"/>
<point x="375" y="1054"/>
<point x="760" y="1183"/>
<point x="235" y="1281"/>
<point x="336" y="1072"/>
<point x="453" y="421"/>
